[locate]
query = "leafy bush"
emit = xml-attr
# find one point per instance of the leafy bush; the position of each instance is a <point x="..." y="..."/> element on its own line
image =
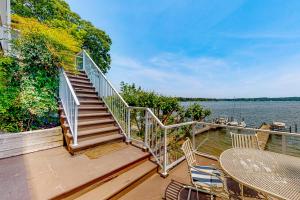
<point x="57" y="14"/>
<point x="167" y="109"/>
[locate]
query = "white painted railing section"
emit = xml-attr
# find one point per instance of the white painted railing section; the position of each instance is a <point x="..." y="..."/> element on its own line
<point x="69" y="102"/>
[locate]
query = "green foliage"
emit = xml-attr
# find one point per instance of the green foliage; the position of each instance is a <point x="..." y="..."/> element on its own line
<point x="196" y="112"/>
<point x="57" y="14"/>
<point x="9" y="89"/>
<point x="28" y="97"/>
<point x="41" y="45"/>
<point x="168" y="109"/>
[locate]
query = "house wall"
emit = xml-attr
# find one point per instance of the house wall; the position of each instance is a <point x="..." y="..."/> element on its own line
<point x="4" y="24"/>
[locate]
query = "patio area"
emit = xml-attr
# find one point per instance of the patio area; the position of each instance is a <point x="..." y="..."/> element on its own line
<point x="155" y="187"/>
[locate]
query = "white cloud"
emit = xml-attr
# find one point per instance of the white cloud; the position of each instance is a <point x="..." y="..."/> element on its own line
<point x="178" y="75"/>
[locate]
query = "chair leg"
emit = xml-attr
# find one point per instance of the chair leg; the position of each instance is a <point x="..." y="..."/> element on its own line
<point x="189" y="194"/>
<point x="242" y="190"/>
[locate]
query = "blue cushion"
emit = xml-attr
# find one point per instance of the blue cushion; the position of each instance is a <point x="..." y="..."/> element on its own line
<point x="204" y="179"/>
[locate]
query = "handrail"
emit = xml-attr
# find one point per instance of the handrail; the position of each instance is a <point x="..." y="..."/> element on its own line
<point x="70" y="104"/>
<point x="106" y="91"/>
<point x="71" y="88"/>
<point x="106" y="79"/>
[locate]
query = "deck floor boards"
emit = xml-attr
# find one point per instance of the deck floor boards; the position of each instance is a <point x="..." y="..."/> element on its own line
<point x="45" y="174"/>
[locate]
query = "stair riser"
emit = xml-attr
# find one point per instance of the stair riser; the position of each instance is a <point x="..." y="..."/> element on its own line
<point x="83" y="87"/>
<point x="87" y="98"/>
<point x="76" y="74"/>
<point x="93" y="136"/>
<point x="80" y="77"/>
<point x="92" y="103"/>
<point x="96" y="144"/>
<point x="95" y="126"/>
<point x="92" y="111"/>
<point x="84" y="119"/>
<point x="86" y="92"/>
<point x="81" y="82"/>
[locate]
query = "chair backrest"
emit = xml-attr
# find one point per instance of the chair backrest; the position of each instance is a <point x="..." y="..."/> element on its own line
<point x="244" y="141"/>
<point x="188" y="151"/>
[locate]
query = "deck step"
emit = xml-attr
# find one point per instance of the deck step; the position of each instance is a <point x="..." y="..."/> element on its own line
<point x="93" y="122"/>
<point x="96" y="141"/>
<point x="80" y="86"/>
<point x="121" y="184"/>
<point x="98" y="131"/>
<point x="87" y="115"/>
<point x="95" y="107"/>
<point x="91" y="102"/>
<point x="75" y="80"/>
<point x="79" y="76"/>
<point x="87" y="95"/>
<point x="90" y="92"/>
<point x="85" y="90"/>
<point x="77" y="72"/>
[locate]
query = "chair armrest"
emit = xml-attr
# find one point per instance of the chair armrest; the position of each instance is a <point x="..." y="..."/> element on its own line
<point x="206" y="155"/>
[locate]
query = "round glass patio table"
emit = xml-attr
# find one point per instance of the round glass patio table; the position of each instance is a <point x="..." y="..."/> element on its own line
<point x="271" y="173"/>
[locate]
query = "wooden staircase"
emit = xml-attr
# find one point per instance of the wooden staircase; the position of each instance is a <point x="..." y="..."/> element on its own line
<point x="96" y="125"/>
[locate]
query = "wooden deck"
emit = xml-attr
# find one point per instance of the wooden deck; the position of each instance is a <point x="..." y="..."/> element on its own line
<point x="47" y="174"/>
<point x="154" y="188"/>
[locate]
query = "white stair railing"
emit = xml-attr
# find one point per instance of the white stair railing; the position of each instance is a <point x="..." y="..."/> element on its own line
<point x="113" y="100"/>
<point x="70" y="103"/>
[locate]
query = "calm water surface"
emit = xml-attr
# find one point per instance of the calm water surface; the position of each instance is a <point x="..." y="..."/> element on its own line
<point x="215" y="142"/>
<point x="255" y="113"/>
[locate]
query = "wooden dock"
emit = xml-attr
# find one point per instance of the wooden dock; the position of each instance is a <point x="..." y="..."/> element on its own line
<point x="263" y="137"/>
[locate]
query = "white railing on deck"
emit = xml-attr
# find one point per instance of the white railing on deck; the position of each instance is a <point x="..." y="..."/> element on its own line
<point x="113" y="100"/>
<point x="141" y="125"/>
<point x="70" y="103"/>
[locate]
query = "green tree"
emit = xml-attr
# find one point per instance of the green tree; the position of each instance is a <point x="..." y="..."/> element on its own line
<point x="57" y="14"/>
<point x="167" y="109"/>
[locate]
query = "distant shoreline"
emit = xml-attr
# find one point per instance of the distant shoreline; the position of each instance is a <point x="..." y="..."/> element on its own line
<point x="241" y="99"/>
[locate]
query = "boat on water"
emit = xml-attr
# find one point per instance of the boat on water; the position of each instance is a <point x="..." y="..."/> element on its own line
<point x="278" y="126"/>
<point x="221" y="120"/>
<point x="233" y="122"/>
<point x="236" y="123"/>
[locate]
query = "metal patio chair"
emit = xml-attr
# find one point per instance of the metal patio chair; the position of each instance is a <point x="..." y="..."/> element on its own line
<point x="207" y="179"/>
<point x="244" y="141"/>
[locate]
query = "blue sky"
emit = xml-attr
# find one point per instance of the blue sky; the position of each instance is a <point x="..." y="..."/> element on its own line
<point x="202" y="48"/>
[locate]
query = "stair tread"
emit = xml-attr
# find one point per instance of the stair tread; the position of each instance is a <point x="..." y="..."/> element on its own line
<point x="96" y="141"/>
<point x="90" y="115"/>
<point x="93" y="122"/>
<point x="87" y="95"/>
<point x="94" y="114"/>
<point x="79" y="80"/>
<point x="116" y="185"/>
<point x="91" y="101"/>
<point x="80" y="76"/>
<point x="91" y="106"/>
<point x="97" y="130"/>
<point x="79" y="85"/>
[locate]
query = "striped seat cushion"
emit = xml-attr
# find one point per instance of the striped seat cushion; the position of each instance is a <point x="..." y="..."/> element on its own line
<point x="206" y="180"/>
